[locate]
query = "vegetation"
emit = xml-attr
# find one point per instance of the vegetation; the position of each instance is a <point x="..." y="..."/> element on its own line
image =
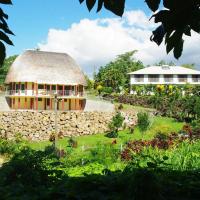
<point x="180" y="102"/>
<point x="4" y="69"/>
<point x="4" y="32"/>
<point x="143" y="121"/>
<point x="166" y="168"/>
<point x="114" y="77"/>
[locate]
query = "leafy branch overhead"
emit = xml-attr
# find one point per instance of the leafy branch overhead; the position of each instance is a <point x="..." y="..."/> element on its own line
<point x="4" y="32"/>
<point x="177" y="18"/>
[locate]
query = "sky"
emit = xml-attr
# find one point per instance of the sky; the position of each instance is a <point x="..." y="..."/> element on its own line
<point x="92" y="39"/>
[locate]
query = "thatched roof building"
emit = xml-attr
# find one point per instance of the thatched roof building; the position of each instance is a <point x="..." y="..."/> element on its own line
<point x="45" y="68"/>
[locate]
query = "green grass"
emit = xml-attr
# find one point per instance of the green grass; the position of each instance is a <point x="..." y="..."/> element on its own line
<point x="127" y="107"/>
<point x="158" y="123"/>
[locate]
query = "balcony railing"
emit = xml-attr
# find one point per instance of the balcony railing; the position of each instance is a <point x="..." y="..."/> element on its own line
<point x="42" y="92"/>
<point x="196" y="80"/>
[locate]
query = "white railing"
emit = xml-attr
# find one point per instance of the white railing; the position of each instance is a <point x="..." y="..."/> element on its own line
<point x="42" y="92"/>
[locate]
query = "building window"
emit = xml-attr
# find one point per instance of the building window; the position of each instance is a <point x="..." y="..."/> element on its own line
<point x="182" y="78"/>
<point x="53" y="87"/>
<point x="139" y="78"/>
<point x="39" y="99"/>
<point x="153" y="78"/>
<point x="23" y="87"/>
<point x="195" y="78"/>
<point x="168" y="78"/>
<point x="40" y="87"/>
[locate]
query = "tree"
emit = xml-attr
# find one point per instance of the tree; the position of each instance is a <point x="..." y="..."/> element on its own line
<point x="4" y="31"/>
<point x="115" y="73"/>
<point x="189" y="66"/>
<point x="177" y="18"/>
<point x="162" y="62"/>
<point x="6" y="66"/>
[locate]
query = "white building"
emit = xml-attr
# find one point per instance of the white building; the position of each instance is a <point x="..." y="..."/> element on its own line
<point x="165" y="75"/>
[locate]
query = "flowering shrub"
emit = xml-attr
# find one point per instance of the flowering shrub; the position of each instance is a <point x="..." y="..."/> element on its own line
<point x="135" y="147"/>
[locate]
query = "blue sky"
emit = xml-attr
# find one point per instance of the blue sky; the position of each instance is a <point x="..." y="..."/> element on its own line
<point x="31" y="20"/>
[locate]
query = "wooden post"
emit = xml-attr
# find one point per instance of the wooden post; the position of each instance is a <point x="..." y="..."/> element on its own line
<point x="25" y="103"/>
<point x="14" y="103"/>
<point x="18" y="102"/>
<point x="33" y="88"/>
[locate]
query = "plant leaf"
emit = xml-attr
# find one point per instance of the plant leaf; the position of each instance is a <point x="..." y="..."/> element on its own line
<point x="153" y="4"/>
<point x="6" y="1"/>
<point x="81" y="1"/>
<point x="178" y="49"/>
<point x="90" y="4"/>
<point x="100" y="5"/>
<point x="2" y="53"/>
<point x="115" y="6"/>
<point x="6" y="29"/>
<point x="5" y="38"/>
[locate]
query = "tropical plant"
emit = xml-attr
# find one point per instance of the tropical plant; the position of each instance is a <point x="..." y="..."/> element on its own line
<point x="115" y="74"/>
<point x="4" y="31"/>
<point x="143" y="121"/>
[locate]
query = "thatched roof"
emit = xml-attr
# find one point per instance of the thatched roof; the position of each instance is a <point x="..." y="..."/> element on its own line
<point x="45" y="67"/>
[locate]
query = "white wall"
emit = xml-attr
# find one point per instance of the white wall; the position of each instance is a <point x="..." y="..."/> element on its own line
<point x="161" y="80"/>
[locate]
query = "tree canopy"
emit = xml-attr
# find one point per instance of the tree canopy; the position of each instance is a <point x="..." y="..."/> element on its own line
<point x="4" y="69"/>
<point x="4" y="32"/>
<point x="177" y="18"/>
<point x="115" y="73"/>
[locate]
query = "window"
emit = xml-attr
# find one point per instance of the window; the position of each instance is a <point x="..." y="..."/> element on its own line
<point x="53" y="87"/>
<point x="139" y="78"/>
<point x="22" y="86"/>
<point x="17" y="87"/>
<point x="168" y="78"/>
<point x="182" y="78"/>
<point x="40" y="87"/>
<point x="153" y="78"/>
<point x="39" y="99"/>
<point x="195" y="78"/>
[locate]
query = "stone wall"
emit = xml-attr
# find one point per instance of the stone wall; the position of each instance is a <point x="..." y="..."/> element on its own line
<point x="40" y="125"/>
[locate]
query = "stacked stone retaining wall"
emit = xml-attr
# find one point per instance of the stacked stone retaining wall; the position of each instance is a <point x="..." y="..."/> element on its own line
<point x="40" y="125"/>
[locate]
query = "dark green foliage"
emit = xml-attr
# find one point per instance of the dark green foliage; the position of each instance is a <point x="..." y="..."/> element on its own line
<point x="107" y="90"/>
<point x="4" y="31"/>
<point x="143" y="121"/>
<point x="116" y="122"/>
<point x="115" y="6"/>
<point x="4" y="69"/>
<point x="112" y="134"/>
<point x="115" y="74"/>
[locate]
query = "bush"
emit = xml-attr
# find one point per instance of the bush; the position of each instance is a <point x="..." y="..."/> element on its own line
<point x="72" y="142"/>
<point x="107" y="90"/>
<point x="143" y="121"/>
<point x="116" y="122"/>
<point x="112" y="134"/>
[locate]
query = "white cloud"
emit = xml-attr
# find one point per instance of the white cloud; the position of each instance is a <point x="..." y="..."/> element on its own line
<point x="93" y="43"/>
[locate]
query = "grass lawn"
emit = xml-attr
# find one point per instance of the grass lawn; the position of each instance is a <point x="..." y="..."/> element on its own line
<point x="158" y="124"/>
<point x="135" y="108"/>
